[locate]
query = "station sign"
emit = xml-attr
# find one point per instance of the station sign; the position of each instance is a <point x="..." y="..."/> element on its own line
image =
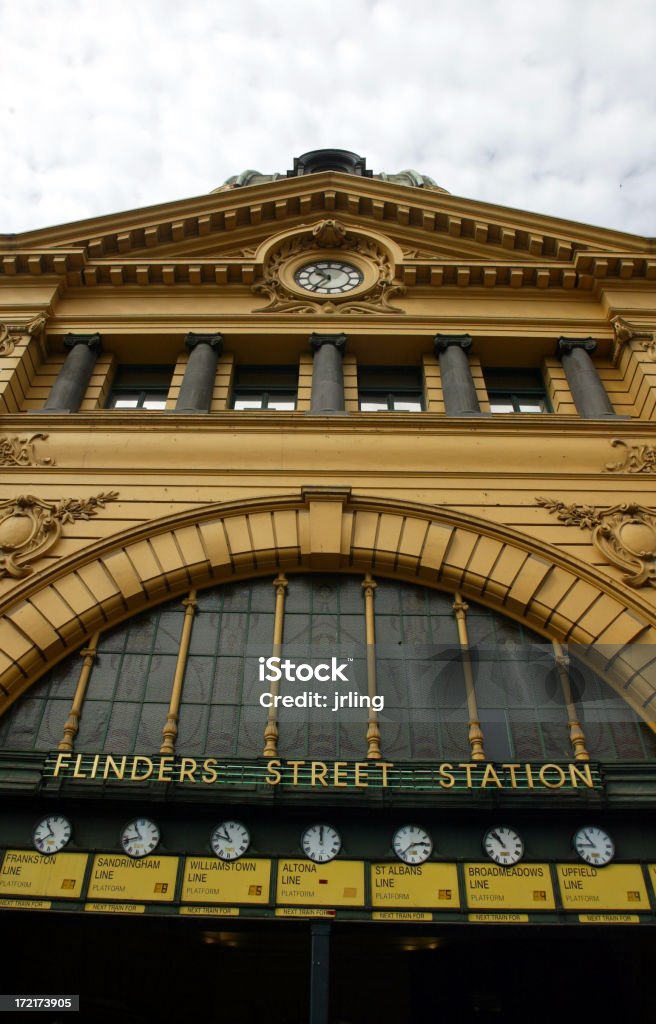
<point x="423" y="885"/>
<point x="615" y="887"/>
<point x="340" y="883"/>
<point x="209" y="880"/>
<point x="114" y="877"/>
<point x="522" y="887"/>
<point x="26" y="873"/>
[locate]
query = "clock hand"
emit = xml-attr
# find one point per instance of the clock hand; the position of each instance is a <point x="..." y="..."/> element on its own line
<point x="321" y="834"/>
<point x="495" y="835"/>
<point x="419" y="842"/>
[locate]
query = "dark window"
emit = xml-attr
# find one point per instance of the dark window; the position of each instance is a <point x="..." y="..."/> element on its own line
<point x="516" y="391"/>
<point x="265" y="387"/>
<point x="140" y="387"/>
<point x="390" y="388"/>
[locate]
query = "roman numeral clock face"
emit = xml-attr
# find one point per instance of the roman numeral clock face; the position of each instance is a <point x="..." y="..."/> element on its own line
<point x="503" y="845"/>
<point x="321" y="843"/>
<point x="328" y="277"/>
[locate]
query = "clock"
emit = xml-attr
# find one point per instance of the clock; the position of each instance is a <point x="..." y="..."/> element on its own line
<point x="328" y="277"/>
<point x="321" y="843"/>
<point x="412" y="844"/>
<point x="140" y="837"/>
<point x="52" y="833"/>
<point x="230" y="840"/>
<point x="503" y="845"/>
<point x="594" y="846"/>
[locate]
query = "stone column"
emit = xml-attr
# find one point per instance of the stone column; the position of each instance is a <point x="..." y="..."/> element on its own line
<point x="327" y="373"/>
<point x="460" y="397"/>
<point x="590" y="398"/>
<point x="68" y="390"/>
<point x="198" y="381"/>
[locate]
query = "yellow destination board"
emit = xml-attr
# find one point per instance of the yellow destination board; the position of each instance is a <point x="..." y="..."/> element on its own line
<point x="616" y="887"/>
<point x="116" y="908"/>
<point x="26" y="873"/>
<point x="523" y="887"/>
<point x="401" y="915"/>
<point x="210" y="880"/>
<point x="25" y="904"/>
<point x="498" y="918"/>
<point x="303" y="912"/>
<point x="422" y="885"/>
<point x="609" y="919"/>
<point x="209" y="911"/>
<point x="337" y="884"/>
<point x="114" y="877"/>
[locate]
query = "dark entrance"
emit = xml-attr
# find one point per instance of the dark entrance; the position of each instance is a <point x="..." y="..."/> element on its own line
<point x="140" y="970"/>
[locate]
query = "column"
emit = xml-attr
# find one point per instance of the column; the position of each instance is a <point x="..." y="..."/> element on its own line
<point x="588" y="392"/>
<point x="68" y="390"/>
<point x="327" y="373"/>
<point x="460" y="397"/>
<point x="198" y="381"/>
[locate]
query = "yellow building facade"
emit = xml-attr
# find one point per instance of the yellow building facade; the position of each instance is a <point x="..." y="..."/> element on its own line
<point x="351" y="422"/>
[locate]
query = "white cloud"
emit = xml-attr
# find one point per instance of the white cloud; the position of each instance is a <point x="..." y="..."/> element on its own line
<point x="108" y="107"/>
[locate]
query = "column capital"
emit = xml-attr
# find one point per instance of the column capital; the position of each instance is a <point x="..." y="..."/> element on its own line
<point x="567" y="345"/>
<point x="92" y="341"/>
<point x="214" y="340"/>
<point x="318" y="340"/>
<point x="441" y="342"/>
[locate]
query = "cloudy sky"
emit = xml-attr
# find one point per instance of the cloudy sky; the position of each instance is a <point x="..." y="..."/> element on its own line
<point x="108" y="106"/>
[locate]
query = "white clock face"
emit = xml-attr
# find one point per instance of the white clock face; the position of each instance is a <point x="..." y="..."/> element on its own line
<point x="51" y="834"/>
<point x="503" y="845"/>
<point x="140" y="837"/>
<point x="412" y="844"/>
<point x="230" y="840"/>
<point x="321" y="843"/>
<point x="594" y="846"/>
<point x="328" y="277"/>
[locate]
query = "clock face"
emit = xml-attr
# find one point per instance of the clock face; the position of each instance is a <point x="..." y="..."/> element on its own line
<point x="503" y="845"/>
<point x="52" y="833"/>
<point x="140" y="837"/>
<point x="594" y="846"/>
<point x="230" y="840"/>
<point x="412" y="844"/>
<point x="321" y="843"/>
<point x="328" y="277"/>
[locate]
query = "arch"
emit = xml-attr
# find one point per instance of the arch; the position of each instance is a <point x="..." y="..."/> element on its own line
<point x="327" y="529"/>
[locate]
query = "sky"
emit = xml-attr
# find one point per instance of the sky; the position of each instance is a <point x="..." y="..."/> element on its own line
<point x="120" y="104"/>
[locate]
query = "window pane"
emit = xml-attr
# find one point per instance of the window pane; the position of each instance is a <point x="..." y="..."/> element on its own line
<point x="373" y="406"/>
<point x="281" y="405"/>
<point x="405" y="406"/>
<point x="531" y="406"/>
<point x="124" y="403"/>
<point x="154" y="403"/>
<point x="501" y="407"/>
<point x="247" y="403"/>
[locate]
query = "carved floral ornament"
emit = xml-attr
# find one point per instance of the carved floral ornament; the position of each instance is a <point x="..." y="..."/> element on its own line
<point x="625" y="535"/>
<point x="624" y="332"/>
<point x="332" y="238"/>
<point x="638" y="458"/>
<point x="19" y="451"/>
<point x="30" y="527"/>
<point x="10" y="333"/>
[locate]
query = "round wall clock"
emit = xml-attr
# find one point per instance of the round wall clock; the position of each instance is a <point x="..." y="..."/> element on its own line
<point x="594" y="846"/>
<point x="140" y="837"/>
<point x="52" y="833"/>
<point x="412" y="844"/>
<point x="230" y="840"/>
<point x="321" y="843"/>
<point x="328" y="277"/>
<point x="503" y="845"/>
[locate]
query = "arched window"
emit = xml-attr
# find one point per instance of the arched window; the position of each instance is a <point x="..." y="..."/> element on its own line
<point x="439" y="665"/>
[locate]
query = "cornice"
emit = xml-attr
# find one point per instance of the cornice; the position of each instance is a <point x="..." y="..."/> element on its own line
<point x="221" y="215"/>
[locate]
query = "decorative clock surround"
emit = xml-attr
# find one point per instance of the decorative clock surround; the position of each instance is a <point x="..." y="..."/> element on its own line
<point x="350" y="267"/>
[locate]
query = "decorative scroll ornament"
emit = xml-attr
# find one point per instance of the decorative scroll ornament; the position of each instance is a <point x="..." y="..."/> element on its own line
<point x="624" y="331"/>
<point x="19" y="451"/>
<point x="328" y="234"/>
<point x="638" y="458"/>
<point x="625" y="535"/>
<point x="9" y="333"/>
<point x="30" y="527"/>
